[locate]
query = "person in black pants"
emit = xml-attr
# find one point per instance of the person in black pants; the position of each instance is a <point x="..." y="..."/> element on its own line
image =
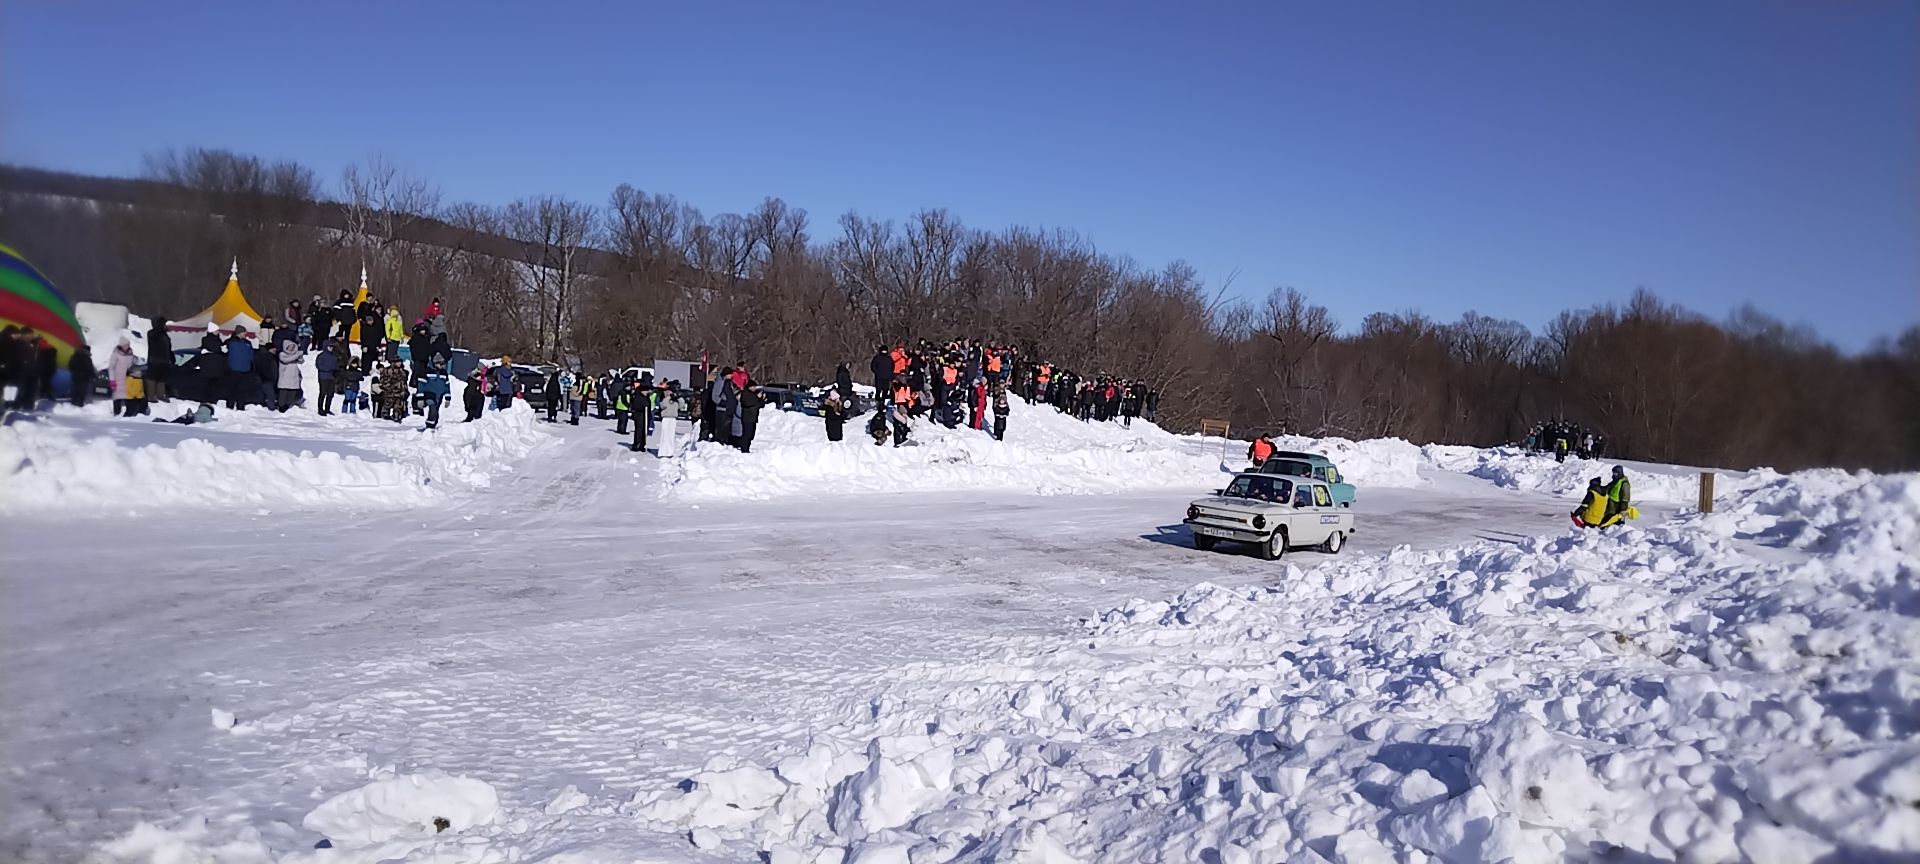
<point x="639" y="405"/>
<point x="835" y="408"/>
<point x="750" y="402"/>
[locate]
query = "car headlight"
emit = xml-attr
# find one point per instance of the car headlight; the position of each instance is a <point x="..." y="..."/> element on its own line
<point x="1259" y="521"/>
<point x="1193" y="512"/>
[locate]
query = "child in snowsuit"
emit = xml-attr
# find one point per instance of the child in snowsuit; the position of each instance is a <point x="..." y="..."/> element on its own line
<point x="1000" y="413"/>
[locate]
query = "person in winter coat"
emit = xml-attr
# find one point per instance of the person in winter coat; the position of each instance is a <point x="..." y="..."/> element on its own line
<point x="622" y="403"/>
<point x="749" y="420"/>
<point x="419" y="348"/>
<point x="119" y="366"/>
<point x="159" y="361"/>
<point x="1620" y="495"/>
<point x="326" y="364"/>
<point x="640" y="405"/>
<point x="504" y="378"/>
<point x="1000" y="408"/>
<point x="212" y="371"/>
<point x="80" y="369"/>
<point x="717" y="422"/>
<point x="1592" y="512"/>
<point x="320" y="318"/>
<point x="136" y="393"/>
<point x="395" y="329"/>
<point x="835" y="409"/>
<point x="369" y="315"/>
<point x="843" y="379"/>
<point x="1258" y="452"/>
<point x="433" y="389"/>
<point x="351" y="375"/>
<point x="241" y="382"/>
<point x="669" y="418"/>
<point x="266" y="374"/>
<point x="553" y="393"/>
<point x="393" y="391"/>
<point x="289" y="374"/>
<point x="577" y="397"/>
<point x="344" y="316"/>
<point x="475" y="397"/>
<point x="882" y="368"/>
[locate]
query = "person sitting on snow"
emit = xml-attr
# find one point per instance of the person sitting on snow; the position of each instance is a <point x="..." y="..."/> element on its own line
<point x="1592" y="511"/>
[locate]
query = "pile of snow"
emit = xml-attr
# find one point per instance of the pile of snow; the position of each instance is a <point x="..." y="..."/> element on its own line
<point x="429" y="816"/>
<point x="87" y="460"/>
<point x="1514" y="468"/>
<point x="1045" y="453"/>
<point x="1738" y="685"/>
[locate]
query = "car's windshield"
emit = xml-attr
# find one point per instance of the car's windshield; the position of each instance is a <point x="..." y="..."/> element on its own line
<point x="1258" y="488"/>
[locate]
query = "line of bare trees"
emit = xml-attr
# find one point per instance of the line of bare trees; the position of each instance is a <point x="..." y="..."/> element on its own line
<point x="645" y="275"/>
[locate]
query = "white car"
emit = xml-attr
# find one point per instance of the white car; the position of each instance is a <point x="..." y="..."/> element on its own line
<point x="1275" y="512"/>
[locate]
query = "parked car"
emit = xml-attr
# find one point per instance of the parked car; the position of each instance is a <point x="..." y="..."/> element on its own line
<point x="530" y="383"/>
<point x="1275" y="513"/>
<point x="806" y="400"/>
<point x="1292" y="463"/>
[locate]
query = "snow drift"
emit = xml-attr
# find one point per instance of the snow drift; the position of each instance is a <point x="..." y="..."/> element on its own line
<point x="1514" y="468"/>
<point x="1045" y="453"/>
<point x="87" y="460"/>
<point x="1735" y="685"/>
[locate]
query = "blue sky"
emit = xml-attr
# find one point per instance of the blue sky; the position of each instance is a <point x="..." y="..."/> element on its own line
<point x="1513" y="158"/>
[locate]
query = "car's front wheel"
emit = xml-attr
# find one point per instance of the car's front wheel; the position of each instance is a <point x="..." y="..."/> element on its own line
<point x="1335" y="542"/>
<point x="1204" y="543"/>
<point x="1276" y="546"/>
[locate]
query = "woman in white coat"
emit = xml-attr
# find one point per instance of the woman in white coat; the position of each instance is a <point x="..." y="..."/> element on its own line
<point x="119" y="367"/>
<point x="289" y="380"/>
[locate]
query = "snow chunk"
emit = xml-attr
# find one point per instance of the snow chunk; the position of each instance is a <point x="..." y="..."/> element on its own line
<point x="404" y="806"/>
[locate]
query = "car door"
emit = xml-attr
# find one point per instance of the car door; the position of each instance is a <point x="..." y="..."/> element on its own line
<point x="1303" y="523"/>
<point x="1332" y="518"/>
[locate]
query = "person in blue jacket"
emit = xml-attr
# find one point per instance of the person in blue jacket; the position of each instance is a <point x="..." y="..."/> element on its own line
<point x="327" y="364"/>
<point x="241" y="380"/>
<point x="503" y="384"/>
<point x="434" y="388"/>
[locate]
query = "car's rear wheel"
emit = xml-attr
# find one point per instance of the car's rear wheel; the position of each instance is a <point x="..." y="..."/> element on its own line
<point x="1204" y="543"/>
<point x="1335" y="542"/>
<point x="1276" y="546"/>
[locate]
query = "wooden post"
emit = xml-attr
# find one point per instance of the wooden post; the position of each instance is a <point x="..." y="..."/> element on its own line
<point x="1706" y="491"/>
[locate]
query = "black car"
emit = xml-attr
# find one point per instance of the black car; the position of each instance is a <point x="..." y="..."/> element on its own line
<point x="530" y="383"/>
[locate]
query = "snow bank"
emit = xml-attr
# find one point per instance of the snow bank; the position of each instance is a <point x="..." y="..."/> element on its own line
<point x="1737" y="685"/>
<point x="1514" y="468"/>
<point x="88" y="461"/>
<point x="1045" y="453"/>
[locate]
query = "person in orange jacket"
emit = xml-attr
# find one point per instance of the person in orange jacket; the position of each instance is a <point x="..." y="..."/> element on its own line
<point x="1259" y="451"/>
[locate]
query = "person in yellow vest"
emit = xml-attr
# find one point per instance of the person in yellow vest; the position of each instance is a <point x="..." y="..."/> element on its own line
<point x="1592" y="512"/>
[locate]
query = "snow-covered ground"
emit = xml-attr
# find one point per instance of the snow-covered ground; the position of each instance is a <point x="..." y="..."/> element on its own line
<point x="957" y="651"/>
